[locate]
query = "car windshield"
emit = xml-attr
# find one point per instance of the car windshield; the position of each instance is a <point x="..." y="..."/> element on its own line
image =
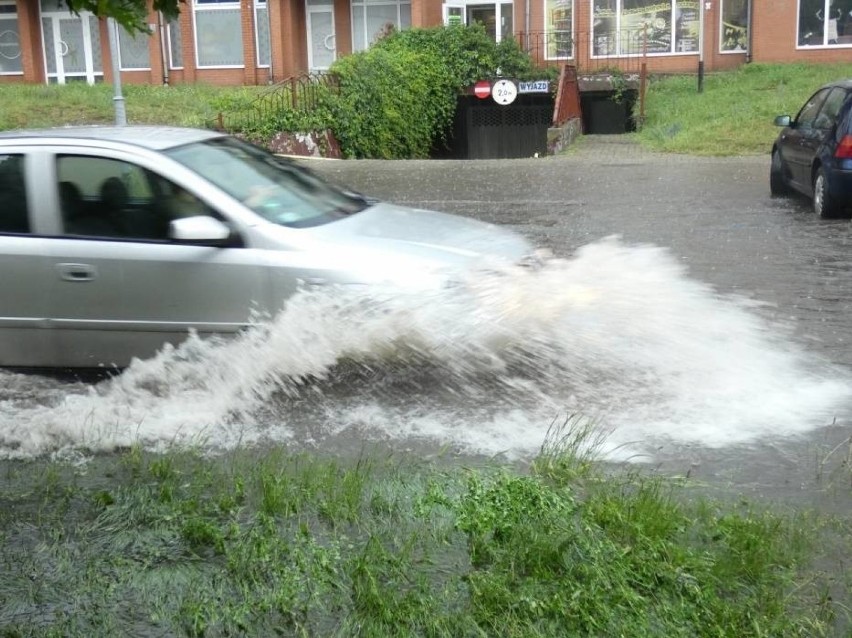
<point x="274" y="187"/>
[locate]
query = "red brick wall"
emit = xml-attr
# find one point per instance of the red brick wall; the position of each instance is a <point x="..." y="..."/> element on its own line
<point x="656" y="63"/>
<point x="775" y="33"/>
<point x="31" y="50"/>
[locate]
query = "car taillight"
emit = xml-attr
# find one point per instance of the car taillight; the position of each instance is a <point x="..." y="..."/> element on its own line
<point x="844" y="148"/>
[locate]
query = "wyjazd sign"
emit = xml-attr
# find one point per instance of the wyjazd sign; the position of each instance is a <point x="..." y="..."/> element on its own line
<point x="537" y="86"/>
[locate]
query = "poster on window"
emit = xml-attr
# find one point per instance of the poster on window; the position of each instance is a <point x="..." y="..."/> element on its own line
<point x="734" y="25"/>
<point x="646" y="26"/>
<point x="686" y="27"/>
<point x="604" y="27"/>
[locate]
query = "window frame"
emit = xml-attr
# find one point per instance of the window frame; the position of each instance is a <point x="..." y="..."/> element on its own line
<point x="621" y="33"/>
<point x="814" y="104"/>
<point x="12" y="16"/>
<point x="548" y="30"/>
<point x="363" y="6"/>
<point x="722" y="23"/>
<point x="264" y="5"/>
<point x="826" y="34"/>
<point x="170" y="26"/>
<point x="119" y="31"/>
<point x="211" y="6"/>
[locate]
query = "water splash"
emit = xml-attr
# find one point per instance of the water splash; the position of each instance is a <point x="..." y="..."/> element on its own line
<point x="618" y="333"/>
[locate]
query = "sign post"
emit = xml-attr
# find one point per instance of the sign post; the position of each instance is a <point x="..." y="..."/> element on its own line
<point x="118" y="98"/>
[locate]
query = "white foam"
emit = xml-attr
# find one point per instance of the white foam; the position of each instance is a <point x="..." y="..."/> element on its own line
<point x="617" y="332"/>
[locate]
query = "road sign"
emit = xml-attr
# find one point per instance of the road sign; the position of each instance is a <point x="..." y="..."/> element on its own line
<point x="504" y="92"/>
<point x="482" y="89"/>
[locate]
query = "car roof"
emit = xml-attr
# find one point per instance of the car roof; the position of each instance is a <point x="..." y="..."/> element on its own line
<point x="156" y="138"/>
<point x="844" y="84"/>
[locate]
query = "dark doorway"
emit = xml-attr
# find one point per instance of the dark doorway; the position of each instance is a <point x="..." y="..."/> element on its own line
<point x="608" y="112"/>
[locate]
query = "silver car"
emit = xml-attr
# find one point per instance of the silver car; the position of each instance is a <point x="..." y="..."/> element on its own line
<point x="116" y="240"/>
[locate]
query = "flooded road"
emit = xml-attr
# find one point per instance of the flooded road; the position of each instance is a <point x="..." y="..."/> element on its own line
<point x="714" y="219"/>
<point x="701" y="324"/>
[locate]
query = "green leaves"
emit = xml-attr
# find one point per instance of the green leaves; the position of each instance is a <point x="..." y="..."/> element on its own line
<point x="398" y="98"/>
<point x="131" y="14"/>
<point x="392" y="103"/>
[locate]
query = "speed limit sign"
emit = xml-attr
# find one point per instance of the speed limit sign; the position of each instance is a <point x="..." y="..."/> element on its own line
<point x="504" y="92"/>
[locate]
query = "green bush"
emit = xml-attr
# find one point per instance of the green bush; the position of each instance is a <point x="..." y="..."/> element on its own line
<point x="398" y="98"/>
<point x="392" y="103"/>
<point x="394" y="100"/>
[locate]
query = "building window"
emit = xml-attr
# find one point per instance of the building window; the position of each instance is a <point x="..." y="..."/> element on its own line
<point x="175" y="45"/>
<point x="373" y="18"/>
<point x="261" y="33"/>
<point x="635" y="27"/>
<point x="10" y="40"/>
<point x="734" y="32"/>
<point x="559" y="29"/>
<point x="133" y="51"/>
<point x="218" y="34"/>
<point x="825" y="23"/>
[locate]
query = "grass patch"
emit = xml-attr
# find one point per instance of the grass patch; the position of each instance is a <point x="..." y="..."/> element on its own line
<point x="35" y="106"/>
<point x="271" y="543"/>
<point x="734" y="114"/>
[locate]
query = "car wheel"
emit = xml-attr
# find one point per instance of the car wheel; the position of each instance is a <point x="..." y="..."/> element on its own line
<point x="824" y="205"/>
<point x="777" y="183"/>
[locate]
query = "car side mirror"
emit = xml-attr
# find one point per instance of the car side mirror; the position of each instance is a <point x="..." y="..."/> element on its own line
<point x="200" y="229"/>
<point x="783" y="120"/>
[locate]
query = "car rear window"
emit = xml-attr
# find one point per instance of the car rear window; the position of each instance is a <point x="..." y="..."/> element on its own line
<point x="13" y="195"/>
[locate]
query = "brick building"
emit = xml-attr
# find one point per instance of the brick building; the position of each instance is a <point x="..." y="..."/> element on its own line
<point x="261" y="41"/>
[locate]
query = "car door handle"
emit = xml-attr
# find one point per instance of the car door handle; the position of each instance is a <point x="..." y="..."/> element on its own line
<point x="76" y="272"/>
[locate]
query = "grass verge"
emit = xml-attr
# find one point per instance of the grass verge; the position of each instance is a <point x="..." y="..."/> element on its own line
<point x="270" y="543"/>
<point x="732" y="116"/>
<point x="36" y="106"/>
<point x="734" y="113"/>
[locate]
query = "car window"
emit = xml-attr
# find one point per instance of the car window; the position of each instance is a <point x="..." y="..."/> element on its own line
<point x="102" y="197"/>
<point x="827" y="116"/>
<point x="279" y="190"/>
<point x="808" y="113"/>
<point x="13" y="195"/>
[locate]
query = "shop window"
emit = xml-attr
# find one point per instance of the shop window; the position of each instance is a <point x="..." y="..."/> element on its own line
<point x="373" y="18"/>
<point x="825" y="23"/>
<point x="559" y="29"/>
<point x="218" y="34"/>
<point x="636" y="27"/>
<point x="10" y="40"/>
<point x="734" y="32"/>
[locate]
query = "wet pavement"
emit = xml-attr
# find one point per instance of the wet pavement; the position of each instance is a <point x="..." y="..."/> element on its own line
<point x="715" y="216"/>
<point x="711" y="338"/>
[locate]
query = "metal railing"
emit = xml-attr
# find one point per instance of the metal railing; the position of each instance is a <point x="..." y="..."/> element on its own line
<point x="589" y="52"/>
<point x="298" y="93"/>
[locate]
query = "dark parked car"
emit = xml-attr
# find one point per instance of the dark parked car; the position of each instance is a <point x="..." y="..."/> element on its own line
<point x="813" y="154"/>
